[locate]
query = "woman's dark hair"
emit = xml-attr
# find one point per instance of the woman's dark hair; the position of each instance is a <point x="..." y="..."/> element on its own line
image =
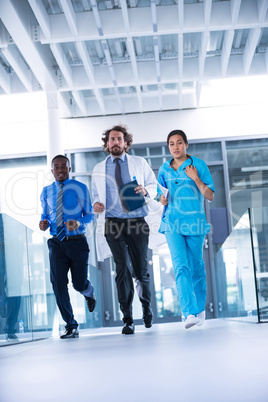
<point x="128" y="138"/>
<point x="177" y="132"/>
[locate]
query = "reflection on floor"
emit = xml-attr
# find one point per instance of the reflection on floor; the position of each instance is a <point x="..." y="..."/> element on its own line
<point x="222" y="361"/>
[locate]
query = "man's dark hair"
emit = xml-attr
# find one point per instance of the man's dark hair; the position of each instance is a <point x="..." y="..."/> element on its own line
<point x="60" y="157"/>
<point x="177" y="132"/>
<point x="128" y="138"/>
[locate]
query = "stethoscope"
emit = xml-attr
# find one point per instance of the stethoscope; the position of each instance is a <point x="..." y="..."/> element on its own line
<point x="178" y="175"/>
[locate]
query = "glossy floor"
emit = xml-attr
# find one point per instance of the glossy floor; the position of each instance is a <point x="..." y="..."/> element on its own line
<point x="222" y="361"/>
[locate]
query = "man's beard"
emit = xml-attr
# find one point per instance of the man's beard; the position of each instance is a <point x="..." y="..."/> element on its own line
<point x="116" y="151"/>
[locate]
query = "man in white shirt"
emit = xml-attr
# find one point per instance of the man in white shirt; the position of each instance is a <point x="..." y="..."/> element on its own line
<point x="126" y="232"/>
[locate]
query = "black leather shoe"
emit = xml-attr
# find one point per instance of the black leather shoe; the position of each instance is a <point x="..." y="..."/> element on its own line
<point x="91" y="303"/>
<point x="148" y="317"/>
<point x="11" y="337"/>
<point x="70" y="333"/>
<point x="128" y="329"/>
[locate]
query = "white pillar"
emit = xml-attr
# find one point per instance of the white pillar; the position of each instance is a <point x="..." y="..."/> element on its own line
<point x="55" y="140"/>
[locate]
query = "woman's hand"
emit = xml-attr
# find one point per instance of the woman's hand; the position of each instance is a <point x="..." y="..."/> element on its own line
<point x="191" y="172"/>
<point x="163" y="200"/>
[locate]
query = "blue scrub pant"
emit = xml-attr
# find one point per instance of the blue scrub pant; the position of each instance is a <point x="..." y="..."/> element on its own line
<point x="187" y="258"/>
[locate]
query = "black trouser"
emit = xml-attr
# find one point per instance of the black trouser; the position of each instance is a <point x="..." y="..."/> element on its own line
<point x="13" y="308"/>
<point x="128" y="241"/>
<point x="65" y="255"/>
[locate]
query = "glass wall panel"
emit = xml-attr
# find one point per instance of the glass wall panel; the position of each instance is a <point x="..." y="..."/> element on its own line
<point x="16" y="319"/>
<point x="259" y="220"/>
<point x="28" y="309"/>
<point x="248" y="175"/>
<point x="167" y="303"/>
<point x="234" y="271"/>
<point x="43" y="305"/>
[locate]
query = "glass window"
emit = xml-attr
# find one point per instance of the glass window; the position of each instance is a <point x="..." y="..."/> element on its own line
<point x="219" y="200"/>
<point x="85" y="161"/>
<point x="248" y="175"/>
<point x="156" y="162"/>
<point x="23" y="162"/>
<point x="155" y="150"/>
<point x="207" y="151"/>
<point x="138" y="151"/>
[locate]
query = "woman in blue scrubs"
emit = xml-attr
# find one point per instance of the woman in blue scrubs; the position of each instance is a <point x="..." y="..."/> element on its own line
<point x="185" y="181"/>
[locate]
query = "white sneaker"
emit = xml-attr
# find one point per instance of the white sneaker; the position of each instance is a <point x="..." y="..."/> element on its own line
<point x="201" y="318"/>
<point x="191" y="320"/>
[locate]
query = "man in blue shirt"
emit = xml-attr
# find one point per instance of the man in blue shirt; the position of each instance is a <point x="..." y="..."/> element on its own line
<point x="67" y="210"/>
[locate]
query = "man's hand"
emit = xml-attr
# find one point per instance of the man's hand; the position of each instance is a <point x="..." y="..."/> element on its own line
<point x="72" y="225"/>
<point x="140" y="189"/>
<point x="98" y="207"/>
<point x="43" y="225"/>
<point x="163" y="200"/>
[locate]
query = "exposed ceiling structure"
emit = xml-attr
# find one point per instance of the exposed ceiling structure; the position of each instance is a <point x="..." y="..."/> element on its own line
<point x="108" y="57"/>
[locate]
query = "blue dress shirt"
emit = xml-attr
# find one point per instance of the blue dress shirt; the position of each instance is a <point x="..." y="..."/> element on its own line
<point x="76" y="205"/>
<point x="113" y="203"/>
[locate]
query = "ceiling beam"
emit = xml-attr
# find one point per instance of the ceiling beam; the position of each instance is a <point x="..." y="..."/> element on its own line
<point x="203" y="52"/>
<point x="97" y="16"/>
<point x="131" y="52"/>
<point x="19" y="66"/>
<point x="235" y="8"/>
<point x="181" y="14"/>
<point x="69" y="15"/>
<point x="63" y="63"/>
<point x="31" y="52"/>
<point x="5" y="80"/>
<point x="226" y="50"/>
<point x="83" y="53"/>
<point x="41" y="16"/>
<point x="207" y="12"/>
<point x="180" y="56"/>
<point x="252" y="42"/>
<point x="124" y="10"/>
<point x="80" y="101"/>
<point x="262" y="9"/>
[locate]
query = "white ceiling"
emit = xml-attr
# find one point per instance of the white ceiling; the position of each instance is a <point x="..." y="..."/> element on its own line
<point x="127" y="56"/>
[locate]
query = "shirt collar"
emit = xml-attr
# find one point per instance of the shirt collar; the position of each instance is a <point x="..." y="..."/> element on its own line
<point x="122" y="157"/>
<point x="188" y="159"/>
<point x="62" y="182"/>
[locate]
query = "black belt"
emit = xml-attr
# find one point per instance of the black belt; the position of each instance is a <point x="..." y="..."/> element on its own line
<point x="141" y="219"/>
<point x="67" y="238"/>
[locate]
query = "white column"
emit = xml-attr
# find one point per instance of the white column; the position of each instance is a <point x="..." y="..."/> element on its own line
<point x="55" y="140"/>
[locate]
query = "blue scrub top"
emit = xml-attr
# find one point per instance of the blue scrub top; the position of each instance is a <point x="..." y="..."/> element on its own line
<point x="184" y="213"/>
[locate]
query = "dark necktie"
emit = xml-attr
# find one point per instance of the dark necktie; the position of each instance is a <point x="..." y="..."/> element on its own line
<point x="119" y="182"/>
<point x="118" y="177"/>
<point x="59" y="214"/>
